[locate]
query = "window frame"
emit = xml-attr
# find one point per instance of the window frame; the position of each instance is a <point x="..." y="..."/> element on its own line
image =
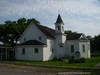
<point x="24" y="39"/>
<point x="52" y="50"/>
<point x="72" y="48"/>
<point x="58" y="28"/>
<point x="40" y="38"/>
<point x="36" y="50"/>
<point x="83" y="48"/>
<point x="23" y="51"/>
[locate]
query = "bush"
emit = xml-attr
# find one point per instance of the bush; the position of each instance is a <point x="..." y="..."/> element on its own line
<point x="56" y="59"/>
<point x="95" y="54"/>
<point x="81" y="60"/>
<point x="71" y="60"/>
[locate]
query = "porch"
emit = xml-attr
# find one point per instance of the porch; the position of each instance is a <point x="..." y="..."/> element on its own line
<point x="7" y="52"/>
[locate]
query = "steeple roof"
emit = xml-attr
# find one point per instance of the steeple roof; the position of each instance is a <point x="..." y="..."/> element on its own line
<point x="59" y="19"/>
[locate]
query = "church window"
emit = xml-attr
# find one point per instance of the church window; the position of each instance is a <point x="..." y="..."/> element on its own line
<point x="36" y="50"/>
<point x="83" y="46"/>
<point x="24" y="39"/>
<point x="40" y="37"/>
<point x="72" y="48"/>
<point x="62" y="28"/>
<point x="23" y="51"/>
<point x="58" y="27"/>
<point x="61" y="44"/>
<point x="52" y="50"/>
<point x="16" y="51"/>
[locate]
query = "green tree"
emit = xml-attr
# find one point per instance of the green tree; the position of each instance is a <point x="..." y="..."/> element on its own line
<point x="95" y="43"/>
<point x="11" y="30"/>
<point x="70" y="32"/>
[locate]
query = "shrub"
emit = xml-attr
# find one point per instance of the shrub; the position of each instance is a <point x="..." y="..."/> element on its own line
<point x="77" y="61"/>
<point x="71" y="60"/>
<point x="54" y="59"/>
<point x="81" y="60"/>
<point x="95" y="54"/>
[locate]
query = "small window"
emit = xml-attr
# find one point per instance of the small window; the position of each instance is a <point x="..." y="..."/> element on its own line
<point x="24" y="39"/>
<point x="72" y="48"/>
<point x="16" y="51"/>
<point x="52" y="50"/>
<point x="83" y="46"/>
<point x="23" y="51"/>
<point x="40" y="37"/>
<point x="36" y="50"/>
<point x="58" y="28"/>
<point x="62" y="28"/>
<point x="61" y="44"/>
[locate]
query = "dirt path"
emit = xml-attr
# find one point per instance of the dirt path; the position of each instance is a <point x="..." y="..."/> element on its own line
<point x="9" y="69"/>
<point x="16" y="69"/>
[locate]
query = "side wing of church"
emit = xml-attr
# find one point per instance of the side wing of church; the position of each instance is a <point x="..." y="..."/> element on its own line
<point x="40" y="43"/>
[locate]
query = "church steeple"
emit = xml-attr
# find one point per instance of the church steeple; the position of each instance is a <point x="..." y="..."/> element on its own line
<point x="59" y="25"/>
<point x="59" y="19"/>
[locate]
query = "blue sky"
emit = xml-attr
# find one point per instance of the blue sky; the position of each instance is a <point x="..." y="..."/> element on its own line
<point x="82" y="16"/>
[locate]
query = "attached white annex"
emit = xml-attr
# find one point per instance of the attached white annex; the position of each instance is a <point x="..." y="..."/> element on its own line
<point x="40" y="43"/>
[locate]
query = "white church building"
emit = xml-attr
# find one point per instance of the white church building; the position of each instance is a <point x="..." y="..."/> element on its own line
<point x="41" y="43"/>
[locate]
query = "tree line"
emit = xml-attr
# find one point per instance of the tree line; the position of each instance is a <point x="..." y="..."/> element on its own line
<point x="10" y="32"/>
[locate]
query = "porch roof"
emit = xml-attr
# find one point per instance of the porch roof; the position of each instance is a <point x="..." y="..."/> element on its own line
<point x="32" y="42"/>
<point x="6" y="46"/>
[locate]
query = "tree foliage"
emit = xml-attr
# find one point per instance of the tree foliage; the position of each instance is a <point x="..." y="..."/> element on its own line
<point x="70" y="32"/>
<point x="95" y="43"/>
<point x="11" y="30"/>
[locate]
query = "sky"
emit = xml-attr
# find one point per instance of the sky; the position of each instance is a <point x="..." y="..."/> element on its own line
<point x="82" y="16"/>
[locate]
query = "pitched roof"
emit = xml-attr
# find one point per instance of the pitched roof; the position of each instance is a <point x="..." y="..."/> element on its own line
<point x="59" y="19"/>
<point x="47" y="31"/>
<point x="74" y="36"/>
<point x="32" y="42"/>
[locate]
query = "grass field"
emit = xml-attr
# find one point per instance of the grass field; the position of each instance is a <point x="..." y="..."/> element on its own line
<point x="90" y="62"/>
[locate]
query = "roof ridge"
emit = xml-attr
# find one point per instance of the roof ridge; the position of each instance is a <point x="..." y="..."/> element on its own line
<point x="45" y="26"/>
<point x="49" y="32"/>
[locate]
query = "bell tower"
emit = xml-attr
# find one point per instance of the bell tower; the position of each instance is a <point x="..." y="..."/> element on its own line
<point x="59" y="30"/>
<point x="60" y="37"/>
<point x="59" y="25"/>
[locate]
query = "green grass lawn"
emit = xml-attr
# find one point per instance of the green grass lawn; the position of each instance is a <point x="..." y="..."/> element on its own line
<point x="90" y="62"/>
